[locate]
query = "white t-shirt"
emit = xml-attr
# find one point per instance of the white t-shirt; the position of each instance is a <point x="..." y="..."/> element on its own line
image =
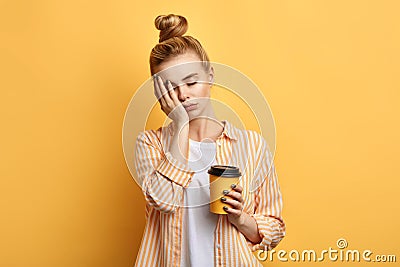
<point x="198" y="222"/>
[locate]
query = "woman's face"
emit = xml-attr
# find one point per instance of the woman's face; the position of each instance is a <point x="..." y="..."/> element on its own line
<point x="191" y="82"/>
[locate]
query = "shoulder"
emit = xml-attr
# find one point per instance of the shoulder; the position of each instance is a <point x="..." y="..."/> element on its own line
<point x="152" y="136"/>
<point x="246" y="135"/>
<point x="252" y="141"/>
<point x="255" y="137"/>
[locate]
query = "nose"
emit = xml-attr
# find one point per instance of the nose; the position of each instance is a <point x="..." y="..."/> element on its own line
<point x="182" y="92"/>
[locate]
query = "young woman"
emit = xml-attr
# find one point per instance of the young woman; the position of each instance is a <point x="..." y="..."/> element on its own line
<point x="172" y="164"/>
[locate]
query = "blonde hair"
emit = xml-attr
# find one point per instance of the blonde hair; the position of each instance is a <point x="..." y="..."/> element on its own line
<point x="172" y="41"/>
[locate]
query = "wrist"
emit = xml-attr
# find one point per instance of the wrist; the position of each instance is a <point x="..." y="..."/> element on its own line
<point x="242" y="220"/>
<point x="180" y="124"/>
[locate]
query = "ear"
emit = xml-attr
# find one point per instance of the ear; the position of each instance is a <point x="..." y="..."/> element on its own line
<point x="211" y="76"/>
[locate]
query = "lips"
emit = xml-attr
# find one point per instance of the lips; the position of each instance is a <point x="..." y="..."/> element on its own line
<point x="190" y="106"/>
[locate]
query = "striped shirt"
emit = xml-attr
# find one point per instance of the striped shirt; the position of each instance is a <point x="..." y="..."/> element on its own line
<point x="163" y="180"/>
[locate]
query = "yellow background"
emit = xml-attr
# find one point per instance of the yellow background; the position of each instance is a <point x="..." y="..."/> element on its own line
<point x="329" y="70"/>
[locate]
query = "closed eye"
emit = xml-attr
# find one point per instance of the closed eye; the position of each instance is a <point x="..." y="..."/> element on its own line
<point x="191" y="83"/>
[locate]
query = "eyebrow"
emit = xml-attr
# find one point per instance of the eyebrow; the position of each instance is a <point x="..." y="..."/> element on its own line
<point x="190" y="75"/>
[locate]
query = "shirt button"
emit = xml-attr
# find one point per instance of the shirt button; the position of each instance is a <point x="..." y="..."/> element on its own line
<point x="219" y="143"/>
<point x="218" y="246"/>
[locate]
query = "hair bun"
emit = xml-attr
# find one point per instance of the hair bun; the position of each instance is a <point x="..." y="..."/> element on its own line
<point x="170" y="26"/>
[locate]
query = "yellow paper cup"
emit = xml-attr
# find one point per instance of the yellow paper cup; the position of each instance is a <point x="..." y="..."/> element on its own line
<point x="221" y="178"/>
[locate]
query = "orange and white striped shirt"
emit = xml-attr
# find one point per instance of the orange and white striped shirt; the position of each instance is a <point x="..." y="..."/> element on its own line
<point x="163" y="180"/>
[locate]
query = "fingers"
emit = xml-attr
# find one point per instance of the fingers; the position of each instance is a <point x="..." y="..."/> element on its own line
<point x="236" y="193"/>
<point x="172" y="93"/>
<point x="235" y="209"/>
<point x="163" y="90"/>
<point x="237" y="188"/>
<point x="157" y="91"/>
<point x="236" y="202"/>
<point x="166" y="96"/>
<point x="235" y="212"/>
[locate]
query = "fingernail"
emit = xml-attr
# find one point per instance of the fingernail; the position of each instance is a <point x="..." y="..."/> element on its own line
<point x="233" y="186"/>
<point x="225" y="208"/>
<point x="225" y="192"/>
<point x="223" y="199"/>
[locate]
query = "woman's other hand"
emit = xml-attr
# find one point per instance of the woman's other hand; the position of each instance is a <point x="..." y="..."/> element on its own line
<point x="235" y="213"/>
<point x="245" y="223"/>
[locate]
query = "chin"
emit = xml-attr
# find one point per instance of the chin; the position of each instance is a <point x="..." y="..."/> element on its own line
<point x="197" y="113"/>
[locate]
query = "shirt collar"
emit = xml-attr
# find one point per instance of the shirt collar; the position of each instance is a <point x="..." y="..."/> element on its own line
<point x="229" y="130"/>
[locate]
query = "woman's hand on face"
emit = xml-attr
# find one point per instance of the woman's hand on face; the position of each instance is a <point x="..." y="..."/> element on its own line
<point x="169" y="101"/>
<point x="236" y="215"/>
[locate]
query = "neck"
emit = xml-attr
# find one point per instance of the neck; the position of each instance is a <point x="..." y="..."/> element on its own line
<point x="205" y="127"/>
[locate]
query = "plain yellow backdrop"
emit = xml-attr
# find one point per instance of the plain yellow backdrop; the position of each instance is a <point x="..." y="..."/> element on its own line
<point x="68" y="69"/>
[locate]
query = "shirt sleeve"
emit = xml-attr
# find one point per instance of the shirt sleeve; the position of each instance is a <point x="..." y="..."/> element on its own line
<point x="268" y="201"/>
<point x="161" y="176"/>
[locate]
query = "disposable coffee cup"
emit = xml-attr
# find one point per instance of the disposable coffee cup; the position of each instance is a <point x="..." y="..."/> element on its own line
<point x="221" y="178"/>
